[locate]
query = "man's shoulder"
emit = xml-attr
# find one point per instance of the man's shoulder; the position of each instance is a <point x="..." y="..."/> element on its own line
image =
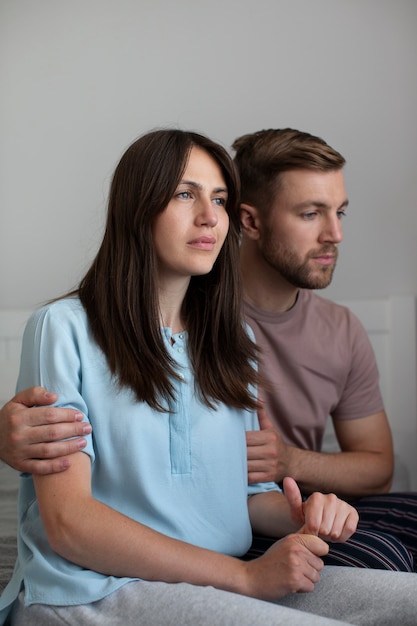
<point x="311" y="313"/>
<point x="325" y="315"/>
<point x="312" y="298"/>
<point x="324" y="306"/>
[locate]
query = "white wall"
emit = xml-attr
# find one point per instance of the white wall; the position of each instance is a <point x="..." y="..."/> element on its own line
<point x="81" y="79"/>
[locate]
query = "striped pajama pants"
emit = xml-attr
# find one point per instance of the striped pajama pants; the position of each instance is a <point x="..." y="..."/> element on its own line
<point x="386" y="537"/>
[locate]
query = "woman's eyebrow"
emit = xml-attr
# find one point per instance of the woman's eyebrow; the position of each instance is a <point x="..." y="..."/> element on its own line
<point x="193" y="183"/>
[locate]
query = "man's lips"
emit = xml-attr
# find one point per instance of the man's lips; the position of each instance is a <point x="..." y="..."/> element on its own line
<point x="325" y="259"/>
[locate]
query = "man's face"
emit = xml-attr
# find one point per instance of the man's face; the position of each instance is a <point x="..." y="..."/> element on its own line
<point x="300" y="235"/>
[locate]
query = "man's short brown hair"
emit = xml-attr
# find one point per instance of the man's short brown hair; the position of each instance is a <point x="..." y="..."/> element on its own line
<point x="262" y="156"/>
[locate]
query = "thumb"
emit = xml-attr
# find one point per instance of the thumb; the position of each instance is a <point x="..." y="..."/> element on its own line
<point x="264" y="420"/>
<point x="316" y="545"/>
<point x="35" y="396"/>
<point x="294" y="499"/>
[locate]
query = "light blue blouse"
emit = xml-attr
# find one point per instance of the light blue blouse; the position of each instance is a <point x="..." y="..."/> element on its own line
<point x="183" y="473"/>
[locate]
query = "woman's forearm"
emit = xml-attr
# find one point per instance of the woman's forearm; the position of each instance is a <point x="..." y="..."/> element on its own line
<point x="270" y="514"/>
<point x="92" y="535"/>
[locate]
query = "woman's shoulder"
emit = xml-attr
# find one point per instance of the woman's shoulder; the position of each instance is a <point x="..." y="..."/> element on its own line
<point x="62" y="305"/>
<point x="68" y="310"/>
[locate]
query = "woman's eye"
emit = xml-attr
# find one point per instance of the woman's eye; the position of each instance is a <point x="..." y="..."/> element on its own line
<point x="184" y="195"/>
<point x="220" y="201"/>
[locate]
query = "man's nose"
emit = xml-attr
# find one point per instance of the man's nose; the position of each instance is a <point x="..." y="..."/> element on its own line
<point x="332" y="230"/>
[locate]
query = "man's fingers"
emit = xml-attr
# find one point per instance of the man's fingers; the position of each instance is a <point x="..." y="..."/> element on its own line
<point x="254" y="438"/>
<point x="42" y="467"/>
<point x="257" y="437"/>
<point x="39" y="416"/>
<point x="47" y="458"/>
<point x="54" y="450"/>
<point x="37" y="400"/>
<point x="293" y="495"/>
<point x="341" y="527"/>
<point x="265" y="422"/>
<point x="57" y="432"/>
<point x="34" y="396"/>
<point x="314" y="544"/>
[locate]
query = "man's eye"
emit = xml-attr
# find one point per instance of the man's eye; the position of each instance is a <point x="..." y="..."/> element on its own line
<point x="341" y="214"/>
<point x="310" y="215"/>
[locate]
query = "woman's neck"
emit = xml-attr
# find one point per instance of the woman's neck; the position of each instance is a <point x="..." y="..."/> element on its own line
<point x="171" y="297"/>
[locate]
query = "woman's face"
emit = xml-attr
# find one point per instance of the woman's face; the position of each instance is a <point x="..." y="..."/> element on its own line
<point x="190" y="232"/>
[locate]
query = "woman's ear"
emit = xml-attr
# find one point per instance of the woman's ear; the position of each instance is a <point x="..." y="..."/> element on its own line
<point x="249" y="221"/>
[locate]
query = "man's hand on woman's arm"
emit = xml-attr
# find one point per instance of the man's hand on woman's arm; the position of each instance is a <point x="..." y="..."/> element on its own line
<point x="32" y="433"/>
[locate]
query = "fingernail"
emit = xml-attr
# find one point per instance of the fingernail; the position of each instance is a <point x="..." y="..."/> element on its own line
<point x="82" y="443"/>
<point x="78" y="417"/>
<point x="87" y="429"/>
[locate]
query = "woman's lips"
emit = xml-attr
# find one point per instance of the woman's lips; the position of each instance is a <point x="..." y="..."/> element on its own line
<point x="203" y="243"/>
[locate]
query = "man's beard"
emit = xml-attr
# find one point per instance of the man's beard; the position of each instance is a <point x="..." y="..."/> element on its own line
<point x="297" y="271"/>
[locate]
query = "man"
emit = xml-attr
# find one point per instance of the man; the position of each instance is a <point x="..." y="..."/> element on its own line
<point x="315" y="355"/>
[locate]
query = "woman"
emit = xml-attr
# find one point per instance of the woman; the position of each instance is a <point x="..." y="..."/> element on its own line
<point x="151" y="349"/>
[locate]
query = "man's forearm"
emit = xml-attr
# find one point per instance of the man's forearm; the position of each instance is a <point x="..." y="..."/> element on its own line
<point x="348" y="474"/>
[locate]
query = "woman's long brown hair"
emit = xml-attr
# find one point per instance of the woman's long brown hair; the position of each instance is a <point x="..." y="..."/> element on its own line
<point x="120" y="295"/>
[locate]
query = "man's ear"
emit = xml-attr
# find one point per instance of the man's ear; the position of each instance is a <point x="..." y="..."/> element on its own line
<point x="249" y="221"/>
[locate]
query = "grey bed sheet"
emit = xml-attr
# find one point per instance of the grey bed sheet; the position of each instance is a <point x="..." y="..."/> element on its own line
<point x="9" y="481"/>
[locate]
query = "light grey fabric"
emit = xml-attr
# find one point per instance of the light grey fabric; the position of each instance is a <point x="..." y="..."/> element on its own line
<point x="162" y="604"/>
<point x="344" y="595"/>
<point x="362" y="596"/>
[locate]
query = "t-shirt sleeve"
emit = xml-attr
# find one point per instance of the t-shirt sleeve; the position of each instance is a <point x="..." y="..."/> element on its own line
<point x="361" y="394"/>
<point x="50" y="358"/>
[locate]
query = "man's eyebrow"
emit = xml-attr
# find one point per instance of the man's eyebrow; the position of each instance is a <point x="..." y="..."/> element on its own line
<point x="193" y="183"/>
<point x="319" y="205"/>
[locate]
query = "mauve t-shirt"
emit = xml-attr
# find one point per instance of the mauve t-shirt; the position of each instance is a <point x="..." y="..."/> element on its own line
<point x="319" y="361"/>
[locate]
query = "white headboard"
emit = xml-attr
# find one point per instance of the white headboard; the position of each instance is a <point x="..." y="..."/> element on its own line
<point x="391" y="326"/>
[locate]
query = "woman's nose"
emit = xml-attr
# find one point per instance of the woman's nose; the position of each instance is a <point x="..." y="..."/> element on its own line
<point x="207" y="213"/>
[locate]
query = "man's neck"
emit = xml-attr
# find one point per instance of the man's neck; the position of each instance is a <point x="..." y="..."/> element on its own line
<point x="264" y="287"/>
